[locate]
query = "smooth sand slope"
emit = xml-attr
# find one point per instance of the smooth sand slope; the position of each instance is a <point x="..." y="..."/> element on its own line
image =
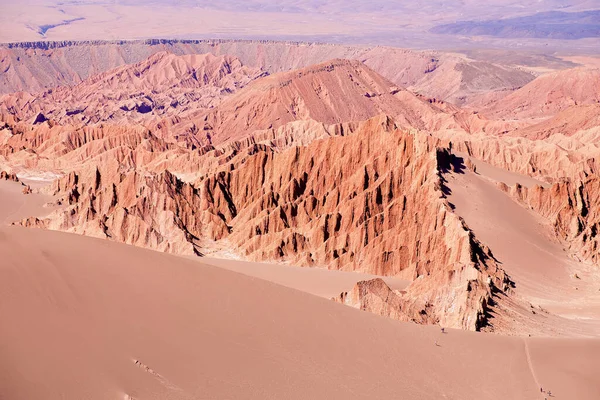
<point x="94" y="319"/>
<point x="318" y="281"/>
<point x="523" y="243"/>
<point x="500" y="175"/>
<point x="15" y="206"/>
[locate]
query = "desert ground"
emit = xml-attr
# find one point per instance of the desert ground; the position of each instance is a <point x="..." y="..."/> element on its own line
<point x="94" y="319"/>
<point x="301" y="214"/>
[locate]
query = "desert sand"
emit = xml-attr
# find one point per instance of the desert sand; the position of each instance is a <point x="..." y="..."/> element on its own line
<point x="14" y="206"/>
<point x="91" y="319"/>
<point x="522" y="242"/>
<point x="318" y="281"/>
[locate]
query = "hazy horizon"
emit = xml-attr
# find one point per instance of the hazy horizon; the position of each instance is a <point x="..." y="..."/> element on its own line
<point x="379" y="22"/>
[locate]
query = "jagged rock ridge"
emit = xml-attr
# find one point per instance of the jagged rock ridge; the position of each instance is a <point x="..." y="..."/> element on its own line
<point x="341" y="203"/>
<point x="439" y="75"/>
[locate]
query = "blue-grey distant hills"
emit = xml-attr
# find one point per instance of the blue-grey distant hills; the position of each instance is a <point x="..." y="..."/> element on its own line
<point x="545" y="25"/>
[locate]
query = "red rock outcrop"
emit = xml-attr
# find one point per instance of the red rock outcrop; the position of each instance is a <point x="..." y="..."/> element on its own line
<point x="567" y="122"/>
<point x="547" y="160"/>
<point x="331" y="166"/>
<point x="154" y="211"/>
<point x="9" y="176"/>
<point x="333" y="92"/>
<point x="573" y="209"/>
<point x="62" y="149"/>
<point x="371" y="201"/>
<point x="280" y="172"/>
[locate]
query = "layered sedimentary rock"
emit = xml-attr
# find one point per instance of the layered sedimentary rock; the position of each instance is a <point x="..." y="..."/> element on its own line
<point x="296" y="106"/>
<point x="458" y="295"/>
<point x="279" y="171"/>
<point x="61" y="149"/>
<point x="567" y="122"/>
<point x="548" y="160"/>
<point x="332" y="165"/>
<point x="153" y="211"/>
<point x="333" y="92"/>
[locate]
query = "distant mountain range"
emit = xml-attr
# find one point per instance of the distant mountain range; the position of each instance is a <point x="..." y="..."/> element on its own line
<point x="545" y="25"/>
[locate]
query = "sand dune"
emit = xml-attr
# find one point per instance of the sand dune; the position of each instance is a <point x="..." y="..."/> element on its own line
<point x="499" y="174"/>
<point x="89" y="318"/>
<point x="524" y="245"/>
<point x="318" y="281"/>
<point x="14" y="206"/>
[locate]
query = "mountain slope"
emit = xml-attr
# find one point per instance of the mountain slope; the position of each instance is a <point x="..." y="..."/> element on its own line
<point x="163" y="84"/>
<point x="40" y="65"/>
<point x="567" y="122"/>
<point x="549" y="94"/>
<point x="332" y="92"/>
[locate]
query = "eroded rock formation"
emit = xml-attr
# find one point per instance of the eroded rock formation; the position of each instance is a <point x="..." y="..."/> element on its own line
<point x="442" y="75"/>
<point x="573" y="209"/>
<point x="371" y="201"/>
<point x="549" y="94"/>
<point x="330" y="166"/>
<point x="9" y="176"/>
<point x="162" y="85"/>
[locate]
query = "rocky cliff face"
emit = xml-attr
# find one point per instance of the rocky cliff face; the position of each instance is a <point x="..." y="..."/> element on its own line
<point x="370" y="201"/>
<point x="573" y="209"/>
<point x="60" y="149"/>
<point x="460" y="294"/>
<point x="154" y="211"/>
<point x="549" y="160"/>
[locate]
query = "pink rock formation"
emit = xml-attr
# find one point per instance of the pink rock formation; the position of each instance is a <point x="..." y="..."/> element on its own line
<point x="371" y="201"/>
<point x="304" y="167"/>
<point x="573" y="208"/>
<point x="161" y="85"/>
<point x="332" y="92"/>
<point x="441" y="75"/>
<point x="549" y="94"/>
<point x="567" y="122"/>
